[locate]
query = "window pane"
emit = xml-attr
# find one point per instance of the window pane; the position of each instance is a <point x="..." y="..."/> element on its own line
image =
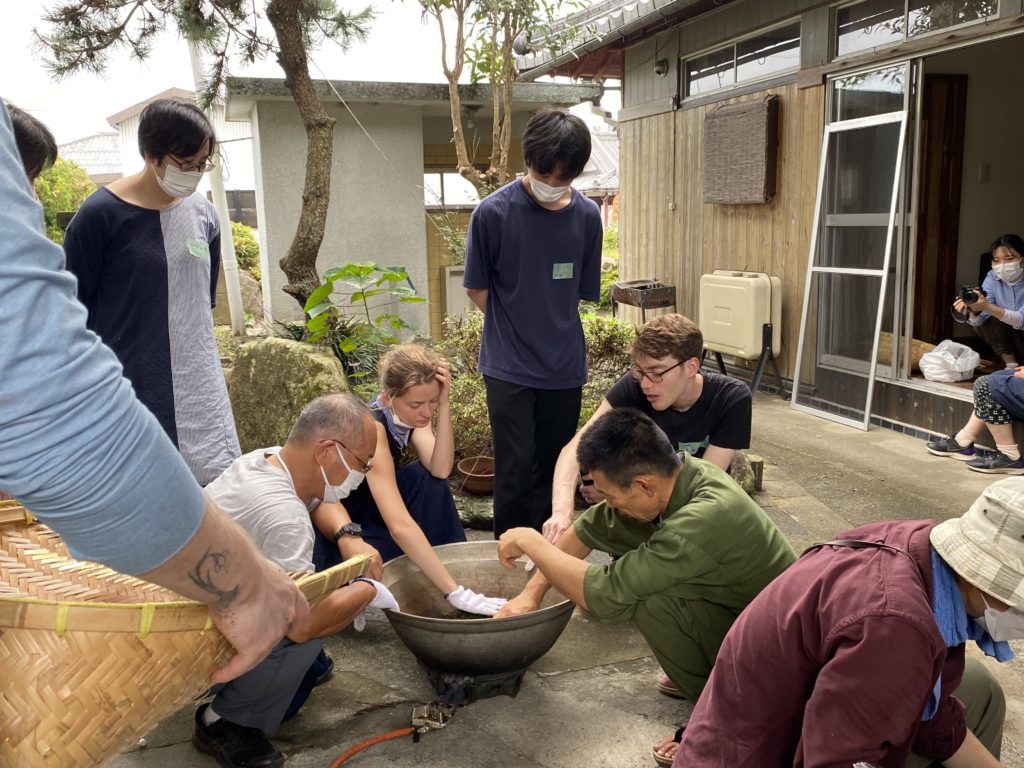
<point x="857" y="197"/>
<point x="926" y="17"/>
<point x="838" y="344"/>
<point x="871" y="93"/>
<point x="774" y="51"/>
<point x="711" y="71"/>
<point x="866" y="25"/>
<point x="432" y="189"/>
<point x="458" y="191"/>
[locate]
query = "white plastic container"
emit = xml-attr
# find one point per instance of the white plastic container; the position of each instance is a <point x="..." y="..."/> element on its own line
<point x="734" y="306"/>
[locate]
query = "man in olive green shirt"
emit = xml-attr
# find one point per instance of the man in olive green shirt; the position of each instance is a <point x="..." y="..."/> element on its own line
<point x="692" y="548"/>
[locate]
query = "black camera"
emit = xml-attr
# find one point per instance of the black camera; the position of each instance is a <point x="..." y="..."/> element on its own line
<point x="968" y="295"/>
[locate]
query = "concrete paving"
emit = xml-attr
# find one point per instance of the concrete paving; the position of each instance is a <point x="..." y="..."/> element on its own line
<point x="592" y="700"/>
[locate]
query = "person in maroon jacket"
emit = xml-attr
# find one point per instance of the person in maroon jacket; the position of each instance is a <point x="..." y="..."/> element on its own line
<point x="854" y="656"/>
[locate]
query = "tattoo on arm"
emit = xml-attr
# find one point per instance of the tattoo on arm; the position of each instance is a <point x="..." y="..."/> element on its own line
<point x="206" y="569"/>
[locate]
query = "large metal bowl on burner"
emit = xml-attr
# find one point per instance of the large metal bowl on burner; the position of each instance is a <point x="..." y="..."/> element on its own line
<point x="471" y="646"/>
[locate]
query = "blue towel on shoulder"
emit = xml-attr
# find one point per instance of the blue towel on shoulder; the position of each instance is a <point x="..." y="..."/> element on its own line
<point x="955" y="626"/>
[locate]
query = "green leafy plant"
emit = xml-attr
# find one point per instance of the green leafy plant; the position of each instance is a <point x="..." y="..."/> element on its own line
<point x="453" y="233"/>
<point x="360" y="326"/>
<point x="62" y="188"/>
<point x="247" y="250"/>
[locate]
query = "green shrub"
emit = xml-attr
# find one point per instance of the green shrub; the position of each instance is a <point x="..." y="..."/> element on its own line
<point x="247" y="249"/>
<point x="62" y="187"/>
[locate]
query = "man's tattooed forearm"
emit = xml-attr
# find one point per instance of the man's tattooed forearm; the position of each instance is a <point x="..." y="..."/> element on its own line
<point x="209" y="566"/>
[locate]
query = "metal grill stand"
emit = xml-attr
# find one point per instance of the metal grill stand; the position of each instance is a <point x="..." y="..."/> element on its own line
<point x="645" y="294"/>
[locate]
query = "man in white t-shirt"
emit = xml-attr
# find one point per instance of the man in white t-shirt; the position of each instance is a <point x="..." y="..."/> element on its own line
<point x="278" y="495"/>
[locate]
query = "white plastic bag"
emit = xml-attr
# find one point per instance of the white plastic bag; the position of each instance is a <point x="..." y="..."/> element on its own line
<point x="949" y="361"/>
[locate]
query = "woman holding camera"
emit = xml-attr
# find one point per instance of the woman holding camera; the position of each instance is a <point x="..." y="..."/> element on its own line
<point x="997" y="311"/>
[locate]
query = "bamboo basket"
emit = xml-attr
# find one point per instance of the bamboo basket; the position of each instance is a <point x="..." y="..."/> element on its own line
<point x="92" y="659"/>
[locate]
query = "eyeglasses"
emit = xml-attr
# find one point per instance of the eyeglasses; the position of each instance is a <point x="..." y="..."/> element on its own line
<point x="204" y="167"/>
<point x="364" y="466"/>
<point x="654" y="377"/>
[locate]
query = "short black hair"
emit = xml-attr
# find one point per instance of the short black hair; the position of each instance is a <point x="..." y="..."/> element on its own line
<point x="624" y="443"/>
<point x="170" y="127"/>
<point x="556" y="142"/>
<point x="1008" y="241"/>
<point x="36" y="145"/>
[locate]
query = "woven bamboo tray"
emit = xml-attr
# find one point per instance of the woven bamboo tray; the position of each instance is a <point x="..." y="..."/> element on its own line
<point x="92" y="659"/>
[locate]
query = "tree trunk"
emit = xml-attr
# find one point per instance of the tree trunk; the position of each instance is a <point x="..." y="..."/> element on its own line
<point x="299" y="264"/>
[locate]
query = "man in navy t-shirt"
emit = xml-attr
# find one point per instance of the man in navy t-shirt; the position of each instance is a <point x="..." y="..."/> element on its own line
<point x="534" y="251"/>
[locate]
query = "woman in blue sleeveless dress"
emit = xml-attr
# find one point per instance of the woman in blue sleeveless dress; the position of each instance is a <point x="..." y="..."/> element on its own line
<point x="408" y="507"/>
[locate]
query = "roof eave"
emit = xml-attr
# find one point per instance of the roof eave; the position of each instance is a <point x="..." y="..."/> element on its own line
<point x="635" y="17"/>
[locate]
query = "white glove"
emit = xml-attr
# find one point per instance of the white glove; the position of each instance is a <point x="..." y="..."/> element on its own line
<point x="471" y="602"/>
<point x="383" y="600"/>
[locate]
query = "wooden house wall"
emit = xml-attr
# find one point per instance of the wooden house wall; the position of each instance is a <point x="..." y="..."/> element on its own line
<point x="668" y="232"/>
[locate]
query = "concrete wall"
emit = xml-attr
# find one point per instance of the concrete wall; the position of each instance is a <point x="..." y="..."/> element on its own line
<point x="990" y="203"/>
<point x="376" y="209"/>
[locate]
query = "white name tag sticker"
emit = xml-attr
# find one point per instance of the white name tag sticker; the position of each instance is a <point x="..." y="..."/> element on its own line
<point x="562" y="271"/>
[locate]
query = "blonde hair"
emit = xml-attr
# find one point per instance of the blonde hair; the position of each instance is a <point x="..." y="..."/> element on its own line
<point x="406" y="366"/>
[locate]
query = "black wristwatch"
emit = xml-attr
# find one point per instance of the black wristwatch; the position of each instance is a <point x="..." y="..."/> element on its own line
<point x="349" y="529"/>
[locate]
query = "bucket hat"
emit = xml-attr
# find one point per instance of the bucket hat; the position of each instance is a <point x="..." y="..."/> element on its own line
<point x="985" y="545"/>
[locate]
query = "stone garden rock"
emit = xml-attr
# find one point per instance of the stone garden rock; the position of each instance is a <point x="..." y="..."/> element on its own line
<point x="476" y="512"/>
<point x="743" y="473"/>
<point x="271" y="381"/>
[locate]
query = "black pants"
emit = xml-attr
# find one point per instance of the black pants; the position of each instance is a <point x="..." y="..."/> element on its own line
<point x="1003" y="339"/>
<point x="530" y="427"/>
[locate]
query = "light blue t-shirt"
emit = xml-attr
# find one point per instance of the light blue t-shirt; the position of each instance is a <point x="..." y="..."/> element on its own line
<point x="76" y="447"/>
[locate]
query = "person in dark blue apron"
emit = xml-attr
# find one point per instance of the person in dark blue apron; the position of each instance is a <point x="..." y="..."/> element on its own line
<point x="408" y="507"/>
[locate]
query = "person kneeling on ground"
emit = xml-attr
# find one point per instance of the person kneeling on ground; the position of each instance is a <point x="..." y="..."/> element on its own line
<point x="692" y="548"/>
<point x="856" y="653"/>
<point x="409" y="508"/>
<point x="998" y="400"/>
<point x="271" y="493"/>
<point x="702" y="413"/>
<point x="997" y="316"/>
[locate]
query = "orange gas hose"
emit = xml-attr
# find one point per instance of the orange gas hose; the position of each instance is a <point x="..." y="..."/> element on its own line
<point x="370" y="742"/>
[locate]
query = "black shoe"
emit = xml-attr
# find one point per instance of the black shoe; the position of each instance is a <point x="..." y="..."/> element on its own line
<point x="234" y="746"/>
<point x="948" y="446"/>
<point x="997" y="463"/>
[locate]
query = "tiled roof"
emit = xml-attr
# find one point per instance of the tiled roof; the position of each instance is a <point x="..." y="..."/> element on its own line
<point x="601" y="174"/>
<point x="99" y="154"/>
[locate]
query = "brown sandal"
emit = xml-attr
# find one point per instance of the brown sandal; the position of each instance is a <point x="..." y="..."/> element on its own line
<point x="669" y="689"/>
<point x="667" y="761"/>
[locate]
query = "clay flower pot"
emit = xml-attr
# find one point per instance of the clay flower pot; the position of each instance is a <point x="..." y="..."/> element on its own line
<point x="479" y="474"/>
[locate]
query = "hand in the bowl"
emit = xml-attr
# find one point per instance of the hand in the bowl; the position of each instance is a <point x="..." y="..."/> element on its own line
<point x="517" y="606"/>
<point x="473" y="602"/>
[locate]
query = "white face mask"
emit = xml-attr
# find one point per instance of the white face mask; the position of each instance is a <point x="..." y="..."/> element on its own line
<point x="1008" y="271"/>
<point x="1002" y="625"/>
<point x="395" y="418"/>
<point x="178" y="183"/>
<point x="545" y="193"/>
<point x="335" y="493"/>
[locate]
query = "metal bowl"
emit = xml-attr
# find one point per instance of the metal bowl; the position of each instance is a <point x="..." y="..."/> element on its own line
<point x="467" y="646"/>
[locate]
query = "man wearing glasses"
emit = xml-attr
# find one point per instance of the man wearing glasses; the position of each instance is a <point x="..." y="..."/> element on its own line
<point x="277" y="495"/>
<point x="704" y="414"/>
<point x="146" y="252"/>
